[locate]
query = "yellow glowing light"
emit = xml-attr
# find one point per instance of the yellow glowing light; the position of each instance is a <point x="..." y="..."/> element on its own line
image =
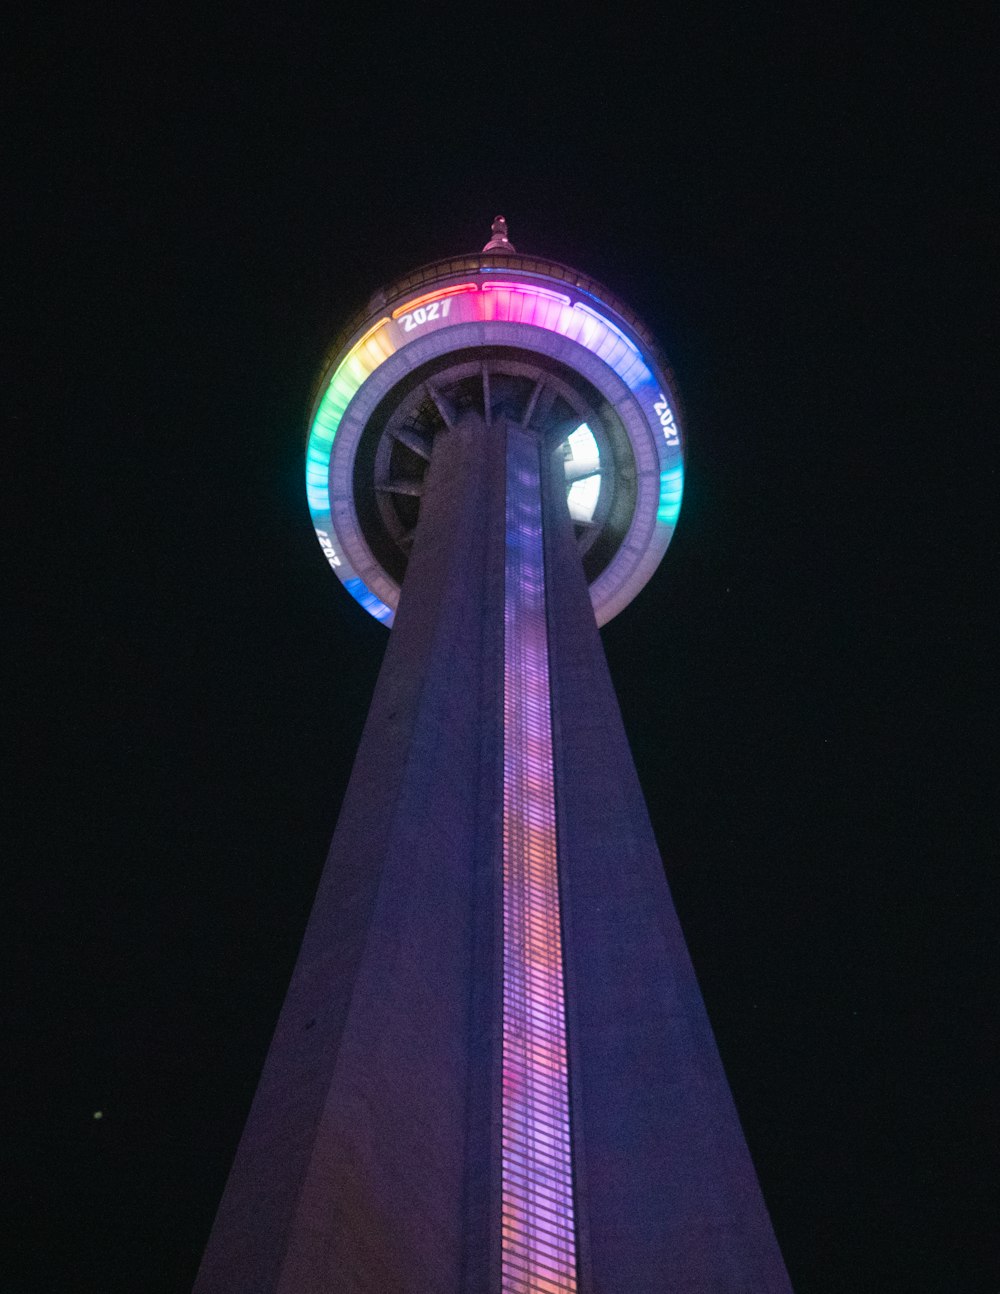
<point x="374" y="328"/>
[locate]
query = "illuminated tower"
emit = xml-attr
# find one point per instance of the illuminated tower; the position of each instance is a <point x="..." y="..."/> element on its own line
<point x="493" y="1070"/>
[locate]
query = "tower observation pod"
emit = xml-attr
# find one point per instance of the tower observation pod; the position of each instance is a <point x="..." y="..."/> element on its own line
<point x="493" y="1072"/>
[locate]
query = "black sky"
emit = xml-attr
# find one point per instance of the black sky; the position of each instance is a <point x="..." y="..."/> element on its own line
<point x="796" y="201"/>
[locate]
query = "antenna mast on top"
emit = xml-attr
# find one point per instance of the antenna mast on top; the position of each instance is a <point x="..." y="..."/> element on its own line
<point x="499" y="242"/>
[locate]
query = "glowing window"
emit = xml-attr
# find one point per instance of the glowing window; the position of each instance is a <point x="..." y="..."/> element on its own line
<point x="583" y="473"/>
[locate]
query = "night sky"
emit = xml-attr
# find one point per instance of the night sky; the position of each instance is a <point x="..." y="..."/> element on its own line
<point x="796" y="202"/>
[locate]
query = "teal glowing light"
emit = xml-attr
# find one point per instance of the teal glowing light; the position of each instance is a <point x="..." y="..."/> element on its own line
<point x="671" y="489"/>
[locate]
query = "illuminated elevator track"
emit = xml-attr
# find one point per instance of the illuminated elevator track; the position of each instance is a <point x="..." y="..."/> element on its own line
<point x="538" y="1234"/>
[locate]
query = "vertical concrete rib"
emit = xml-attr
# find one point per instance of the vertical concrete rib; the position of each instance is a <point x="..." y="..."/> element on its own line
<point x="539" y="1239"/>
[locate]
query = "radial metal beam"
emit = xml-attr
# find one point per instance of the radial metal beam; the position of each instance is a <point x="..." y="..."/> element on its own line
<point x="442" y="405"/>
<point x="487" y="398"/>
<point x="400" y="485"/>
<point x="580" y="471"/>
<point x="533" y="400"/>
<point x="412" y="439"/>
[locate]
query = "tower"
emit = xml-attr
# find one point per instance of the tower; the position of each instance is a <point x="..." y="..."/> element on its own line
<point x="493" y="1069"/>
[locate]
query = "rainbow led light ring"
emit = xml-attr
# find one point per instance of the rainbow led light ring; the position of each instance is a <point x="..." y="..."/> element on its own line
<point x="523" y="310"/>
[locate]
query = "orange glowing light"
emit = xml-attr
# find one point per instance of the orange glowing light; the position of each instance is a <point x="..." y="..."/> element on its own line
<point x="434" y="296"/>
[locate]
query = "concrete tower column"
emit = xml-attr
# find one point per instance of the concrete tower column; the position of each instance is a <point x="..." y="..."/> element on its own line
<point x="366" y="1160"/>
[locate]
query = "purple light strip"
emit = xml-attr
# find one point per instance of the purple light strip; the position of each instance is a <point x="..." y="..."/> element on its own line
<point x="538" y="1251"/>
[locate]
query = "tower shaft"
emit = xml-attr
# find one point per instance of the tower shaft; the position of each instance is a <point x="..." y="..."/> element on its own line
<point x="493" y="1070"/>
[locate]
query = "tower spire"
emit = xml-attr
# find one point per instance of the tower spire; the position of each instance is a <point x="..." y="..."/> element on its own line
<point x="499" y="242"/>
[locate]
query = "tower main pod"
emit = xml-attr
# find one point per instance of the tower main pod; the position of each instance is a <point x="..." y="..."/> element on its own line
<point x="493" y="1070"/>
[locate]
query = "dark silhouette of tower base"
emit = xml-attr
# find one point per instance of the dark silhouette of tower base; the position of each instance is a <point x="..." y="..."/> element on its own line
<point x="493" y="1069"/>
